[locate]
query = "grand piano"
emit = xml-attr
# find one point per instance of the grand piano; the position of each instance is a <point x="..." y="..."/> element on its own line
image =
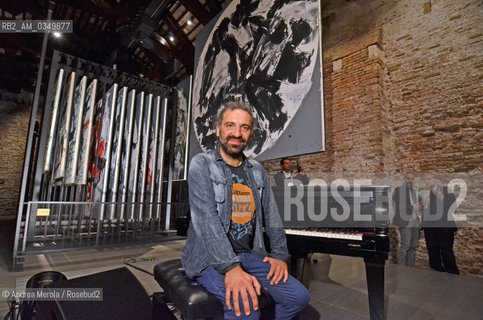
<point x="342" y="220"/>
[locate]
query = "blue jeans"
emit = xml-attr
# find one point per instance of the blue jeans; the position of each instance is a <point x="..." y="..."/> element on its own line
<point x="290" y="297"/>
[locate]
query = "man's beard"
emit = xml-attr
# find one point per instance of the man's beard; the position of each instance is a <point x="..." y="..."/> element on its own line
<point x="232" y="151"/>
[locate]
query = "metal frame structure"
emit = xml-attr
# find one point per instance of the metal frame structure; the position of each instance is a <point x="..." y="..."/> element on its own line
<point x="60" y="216"/>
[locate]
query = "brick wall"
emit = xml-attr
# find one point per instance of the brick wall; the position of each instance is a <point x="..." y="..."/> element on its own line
<point x="402" y="85"/>
<point x="14" y="121"/>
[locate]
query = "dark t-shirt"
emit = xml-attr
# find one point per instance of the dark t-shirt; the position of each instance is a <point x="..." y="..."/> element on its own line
<point x="242" y="223"/>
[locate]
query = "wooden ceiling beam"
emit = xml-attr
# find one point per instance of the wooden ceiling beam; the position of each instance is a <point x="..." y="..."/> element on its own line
<point x="179" y="34"/>
<point x="198" y="11"/>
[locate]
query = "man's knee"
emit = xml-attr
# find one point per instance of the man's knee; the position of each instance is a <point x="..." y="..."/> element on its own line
<point x="302" y="297"/>
<point x="254" y="314"/>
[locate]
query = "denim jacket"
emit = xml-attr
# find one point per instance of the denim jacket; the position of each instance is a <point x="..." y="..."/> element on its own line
<point x="210" y="198"/>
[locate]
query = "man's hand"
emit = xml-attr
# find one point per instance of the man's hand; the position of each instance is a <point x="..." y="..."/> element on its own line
<point x="239" y="283"/>
<point x="425" y="201"/>
<point x="278" y="270"/>
<point x="417" y="207"/>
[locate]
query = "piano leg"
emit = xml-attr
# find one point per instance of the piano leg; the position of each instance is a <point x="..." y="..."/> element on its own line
<point x="375" y="287"/>
<point x="294" y="267"/>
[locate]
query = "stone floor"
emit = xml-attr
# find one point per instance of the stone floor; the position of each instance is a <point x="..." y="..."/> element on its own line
<point x="337" y="284"/>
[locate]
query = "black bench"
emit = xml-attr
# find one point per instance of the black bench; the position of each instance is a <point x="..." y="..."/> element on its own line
<point x="188" y="296"/>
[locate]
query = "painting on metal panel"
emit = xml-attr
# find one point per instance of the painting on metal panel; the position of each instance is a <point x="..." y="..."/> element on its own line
<point x="156" y="122"/>
<point x="182" y="93"/>
<point x="118" y="130"/>
<point x="103" y="150"/>
<point x="54" y="120"/>
<point x="146" y="132"/>
<point x="75" y="132"/>
<point x="126" y="147"/>
<point x="93" y="173"/>
<point x="86" y="133"/>
<point x="150" y="166"/>
<point x="266" y="54"/>
<point x="135" y="151"/>
<point x="62" y="133"/>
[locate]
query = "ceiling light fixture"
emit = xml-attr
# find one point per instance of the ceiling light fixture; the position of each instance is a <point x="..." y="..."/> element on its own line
<point x="171" y="38"/>
<point x="189" y="22"/>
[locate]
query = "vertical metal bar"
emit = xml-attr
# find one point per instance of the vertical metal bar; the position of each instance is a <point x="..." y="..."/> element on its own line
<point x="161" y="160"/>
<point x="29" y="146"/>
<point x="53" y="189"/>
<point x="321" y="59"/>
<point x="168" y="198"/>
<point x="188" y="130"/>
<point x="89" y="228"/>
<point x="172" y="146"/>
<point x="71" y="225"/>
<point x="25" y="229"/>
<point x="59" y="210"/>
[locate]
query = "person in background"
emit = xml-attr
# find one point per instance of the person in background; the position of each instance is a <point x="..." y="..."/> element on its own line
<point x="438" y="225"/>
<point x="288" y="176"/>
<point x="406" y="208"/>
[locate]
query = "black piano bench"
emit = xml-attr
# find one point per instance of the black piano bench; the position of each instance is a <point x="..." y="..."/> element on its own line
<point x="188" y="296"/>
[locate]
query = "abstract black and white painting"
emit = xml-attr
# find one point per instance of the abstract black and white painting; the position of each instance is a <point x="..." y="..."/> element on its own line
<point x="104" y="149"/>
<point x="145" y="151"/>
<point x="265" y="53"/>
<point x="119" y="120"/>
<point x="94" y="158"/>
<point x="151" y="185"/>
<point x="62" y="133"/>
<point x="135" y="154"/>
<point x="150" y="166"/>
<point x="183" y="92"/>
<point x="54" y="120"/>
<point x="126" y="147"/>
<point x="86" y="133"/>
<point x="75" y="132"/>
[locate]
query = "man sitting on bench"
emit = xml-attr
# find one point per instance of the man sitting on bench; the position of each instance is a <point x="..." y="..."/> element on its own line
<point x="230" y="200"/>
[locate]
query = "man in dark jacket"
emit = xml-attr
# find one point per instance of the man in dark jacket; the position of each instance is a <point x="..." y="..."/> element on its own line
<point x="439" y="226"/>
<point x="288" y="176"/>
